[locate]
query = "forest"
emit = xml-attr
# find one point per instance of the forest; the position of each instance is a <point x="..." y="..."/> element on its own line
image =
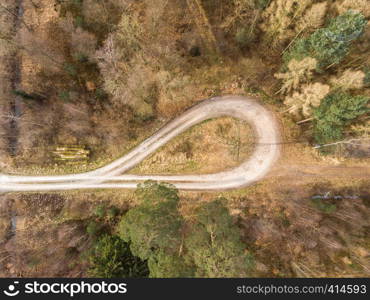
<point x="84" y="81"/>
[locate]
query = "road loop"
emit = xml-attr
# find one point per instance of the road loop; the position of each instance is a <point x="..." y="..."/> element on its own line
<point x="112" y="176"/>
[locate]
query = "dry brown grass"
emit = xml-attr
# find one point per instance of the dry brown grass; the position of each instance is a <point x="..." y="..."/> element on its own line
<point x="50" y="238"/>
<point x="289" y="236"/>
<point x="312" y="244"/>
<point x="204" y="26"/>
<point x="7" y="56"/>
<point x="210" y="147"/>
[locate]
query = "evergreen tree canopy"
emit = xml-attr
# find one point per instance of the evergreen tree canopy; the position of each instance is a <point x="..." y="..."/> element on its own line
<point x="165" y="265"/>
<point x="334" y="113"/>
<point x="112" y="258"/>
<point x="209" y="246"/>
<point x="329" y="45"/>
<point x="214" y="244"/>
<point x="154" y="224"/>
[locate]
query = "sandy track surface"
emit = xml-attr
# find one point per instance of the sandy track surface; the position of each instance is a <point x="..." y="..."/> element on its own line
<point x="265" y="154"/>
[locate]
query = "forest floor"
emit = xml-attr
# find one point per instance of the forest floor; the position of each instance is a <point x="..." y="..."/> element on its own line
<point x="44" y="234"/>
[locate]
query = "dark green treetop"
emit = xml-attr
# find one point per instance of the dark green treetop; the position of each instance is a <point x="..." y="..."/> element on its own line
<point x="329" y="45"/>
<point x="334" y="113"/>
<point x="214" y="244"/>
<point x="154" y="224"/>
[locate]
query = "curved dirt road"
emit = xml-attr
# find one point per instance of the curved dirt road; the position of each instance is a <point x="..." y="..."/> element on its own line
<point x="110" y="176"/>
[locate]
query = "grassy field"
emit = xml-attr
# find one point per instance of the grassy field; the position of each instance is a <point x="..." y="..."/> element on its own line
<point x="210" y="147"/>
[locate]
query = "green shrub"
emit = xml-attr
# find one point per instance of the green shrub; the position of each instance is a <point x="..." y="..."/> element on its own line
<point x="323" y="206"/>
<point x="112" y="258"/>
<point x="334" y="113"/>
<point x="93" y="228"/>
<point x="100" y="211"/>
<point x="329" y="45"/>
<point x="64" y="96"/>
<point x="112" y="212"/>
<point x="79" y="21"/>
<point x="70" y="69"/>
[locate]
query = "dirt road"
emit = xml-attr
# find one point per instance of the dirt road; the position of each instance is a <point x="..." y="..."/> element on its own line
<point x="112" y="175"/>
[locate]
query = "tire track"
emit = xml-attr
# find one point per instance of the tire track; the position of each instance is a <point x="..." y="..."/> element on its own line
<point x="112" y="176"/>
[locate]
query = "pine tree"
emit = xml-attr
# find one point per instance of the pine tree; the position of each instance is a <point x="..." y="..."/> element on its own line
<point x="335" y="112"/>
<point x="215" y="246"/>
<point x="165" y="265"/>
<point x="111" y="257"/>
<point x="155" y="224"/>
<point x="329" y="45"/>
